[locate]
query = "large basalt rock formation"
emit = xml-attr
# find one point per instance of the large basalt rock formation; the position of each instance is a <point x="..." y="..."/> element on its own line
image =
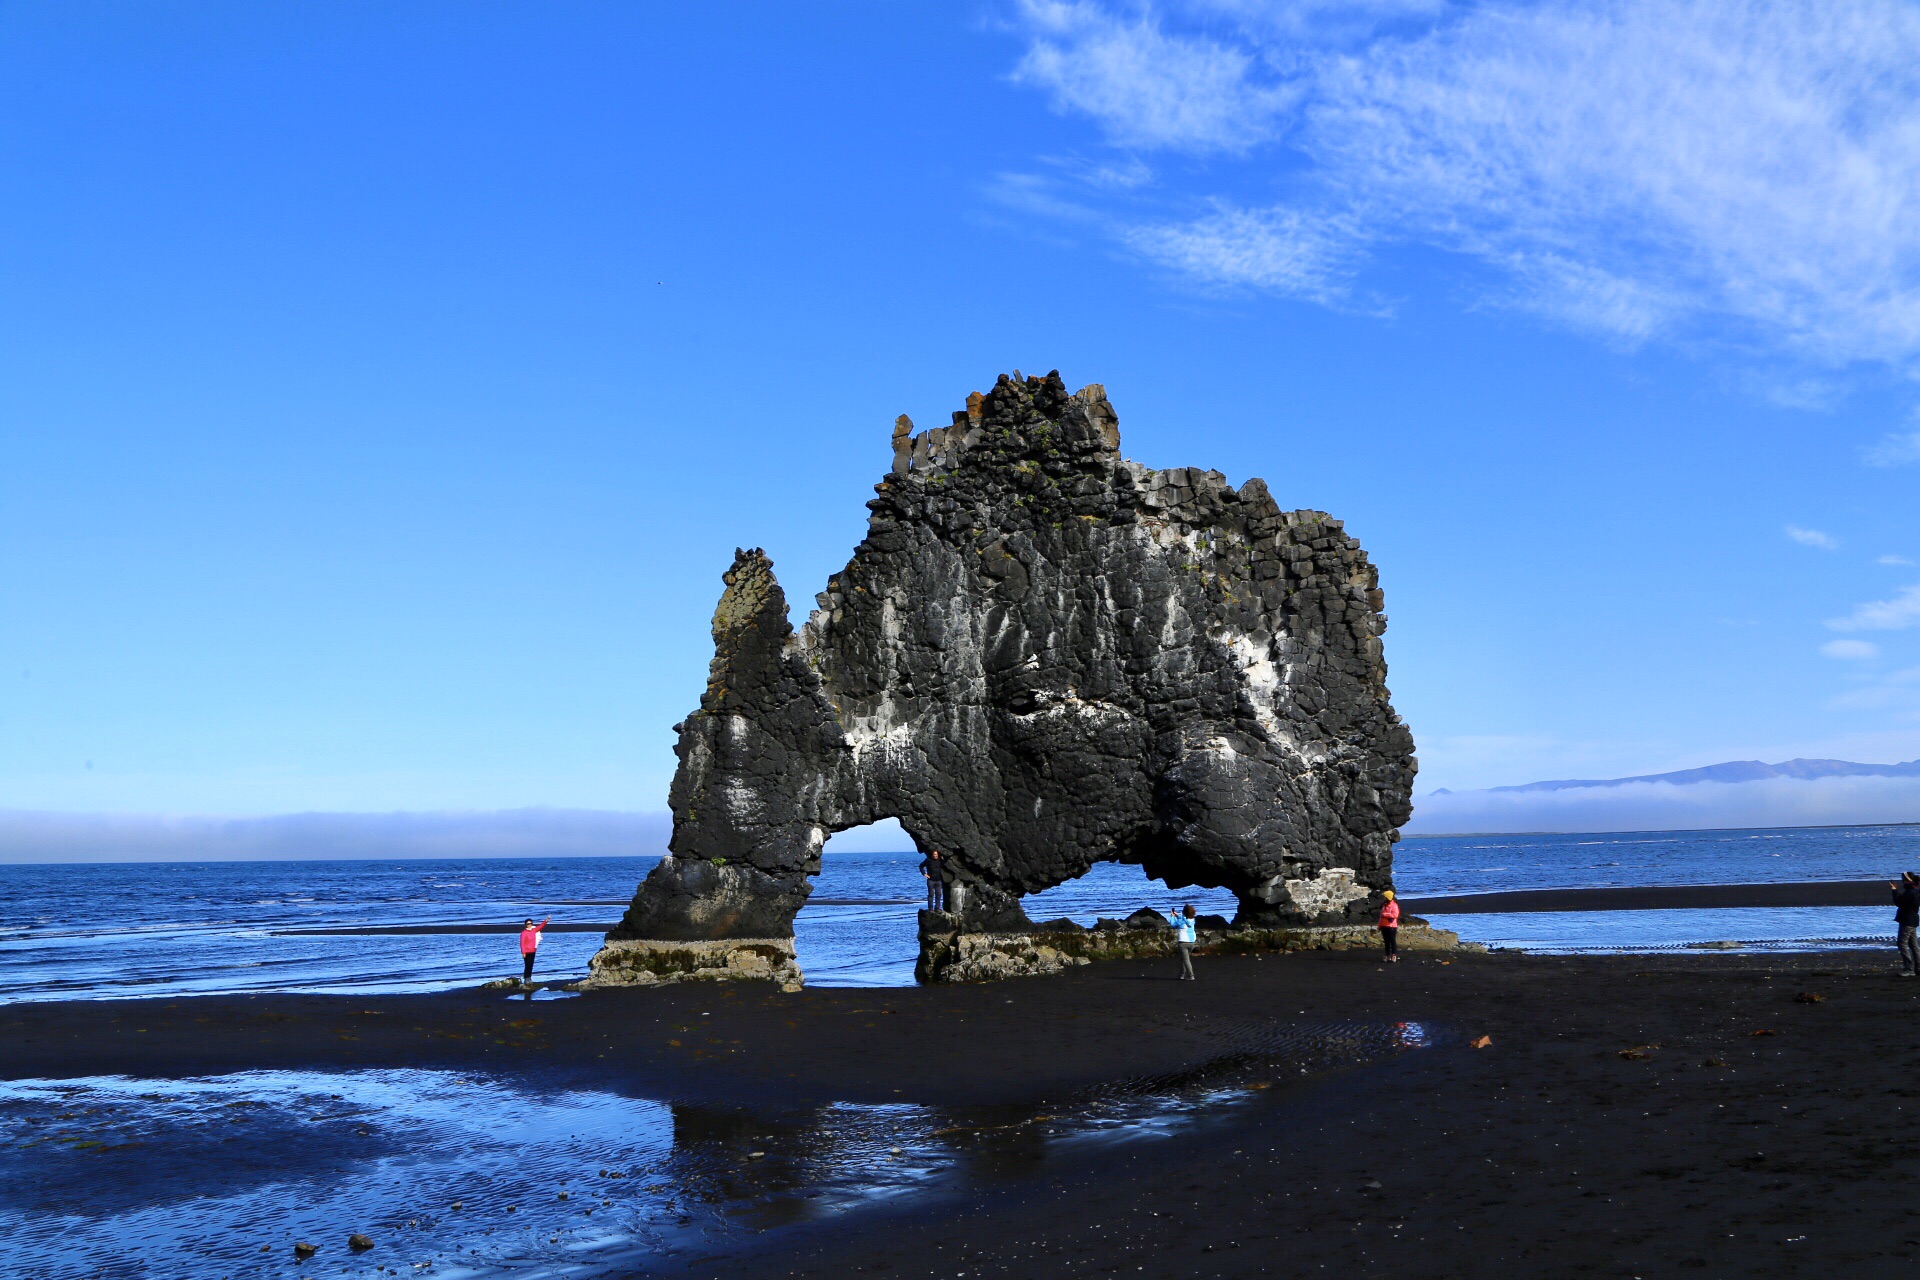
<point x="1042" y="656"/>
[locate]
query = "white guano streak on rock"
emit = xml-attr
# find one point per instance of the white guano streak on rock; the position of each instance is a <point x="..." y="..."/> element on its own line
<point x="743" y="803"/>
<point x="1254" y="655"/>
<point x="1326" y="893"/>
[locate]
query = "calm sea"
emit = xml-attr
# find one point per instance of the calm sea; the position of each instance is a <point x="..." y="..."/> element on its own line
<point x="129" y="929"/>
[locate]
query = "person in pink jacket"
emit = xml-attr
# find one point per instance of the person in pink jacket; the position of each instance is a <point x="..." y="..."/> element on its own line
<point x="530" y="946"/>
<point x="1390" y="928"/>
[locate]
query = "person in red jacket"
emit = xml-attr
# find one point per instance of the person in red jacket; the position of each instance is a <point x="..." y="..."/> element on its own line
<point x="1390" y="928"/>
<point x="530" y="946"/>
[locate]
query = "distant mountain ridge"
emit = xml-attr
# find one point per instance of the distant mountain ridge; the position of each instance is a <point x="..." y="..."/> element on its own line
<point x="1738" y="771"/>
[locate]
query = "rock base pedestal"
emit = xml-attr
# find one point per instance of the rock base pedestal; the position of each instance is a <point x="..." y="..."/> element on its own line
<point x="648" y="962"/>
<point x="990" y="957"/>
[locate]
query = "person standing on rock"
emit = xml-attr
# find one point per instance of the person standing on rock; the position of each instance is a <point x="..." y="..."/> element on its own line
<point x="934" y="868"/>
<point x="1906" y="915"/>
<point x="1390" y="929"/>
<point x="1184" y="935"/>
<point x="530" y="946"/>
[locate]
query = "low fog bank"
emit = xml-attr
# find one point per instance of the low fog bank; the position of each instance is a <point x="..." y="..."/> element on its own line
<point x="43" y="836"/>
<point x="1665" y="806"/>
<point x="40" y="836"/>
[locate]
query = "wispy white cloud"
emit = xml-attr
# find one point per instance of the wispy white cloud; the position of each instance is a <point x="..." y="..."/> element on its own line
<point x="1895" y="560"/>
<point x="1633" y="167"/>
<point x="1897" y="614"/>
<point x="1042" y="194"/>
<point x="1149" y="88"/>
<point x="1813" y="538"/>
<point x="1896" y="450"/>
<point x="1897" y="691"/>
<point x="1276" y="249"/>
<point x="1850" y="650"/>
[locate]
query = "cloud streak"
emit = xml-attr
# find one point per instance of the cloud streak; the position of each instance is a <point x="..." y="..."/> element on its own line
<point x="1813" y="538"/>
<point x="1149" y="89"/>
<point x="1274" y="249"/>
<point x="1895" y="450"/>
<point x="1637" y="168"/>
<point x="1897" y="614"/>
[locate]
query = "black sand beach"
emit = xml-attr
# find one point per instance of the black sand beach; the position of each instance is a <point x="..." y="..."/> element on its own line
<point x="1632" y="1116"/>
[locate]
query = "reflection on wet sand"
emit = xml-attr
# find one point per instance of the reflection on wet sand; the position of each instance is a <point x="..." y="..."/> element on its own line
<point x="475" y="1175"/>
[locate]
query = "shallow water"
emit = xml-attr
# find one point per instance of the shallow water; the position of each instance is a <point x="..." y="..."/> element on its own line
<point x="135" y="929"/>
<point x="1751" y="928"/>
<point x="1488" y="864"/>
<point x="462" y="1174"/>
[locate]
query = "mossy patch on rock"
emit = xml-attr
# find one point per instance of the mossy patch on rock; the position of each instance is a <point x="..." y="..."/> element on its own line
<point x="989" y="957"/>
<point x="645" y="962"/>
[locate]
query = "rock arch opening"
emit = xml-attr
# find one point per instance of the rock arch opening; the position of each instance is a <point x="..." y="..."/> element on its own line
<point x="860" y="925"/>
<point x="1115" y="890"/>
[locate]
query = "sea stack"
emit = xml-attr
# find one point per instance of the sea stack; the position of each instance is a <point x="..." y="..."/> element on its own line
<point x="1041" y="657"/>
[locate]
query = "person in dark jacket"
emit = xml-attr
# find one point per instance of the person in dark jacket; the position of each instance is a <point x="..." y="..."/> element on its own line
<point x="1906" y="914"/>
<point x="934" y="868"/>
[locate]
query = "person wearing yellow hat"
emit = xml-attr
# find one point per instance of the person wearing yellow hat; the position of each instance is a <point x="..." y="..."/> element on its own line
<point x="1390" y="929"/>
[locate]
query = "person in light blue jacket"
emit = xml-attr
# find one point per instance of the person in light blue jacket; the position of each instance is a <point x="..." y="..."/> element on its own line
<point x="1183" y="938"/>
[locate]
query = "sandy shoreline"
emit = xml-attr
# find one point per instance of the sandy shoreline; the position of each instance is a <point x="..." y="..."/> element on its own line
<point x="1551" y="1152"/>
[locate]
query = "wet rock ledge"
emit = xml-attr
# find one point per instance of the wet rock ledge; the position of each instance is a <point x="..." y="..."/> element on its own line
<point x="1042" y="656"/>
<point x="949" y="954"/>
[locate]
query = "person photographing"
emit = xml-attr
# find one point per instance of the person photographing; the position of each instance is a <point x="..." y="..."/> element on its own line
<point x="1184" y="935"/>
<point x="1906" y="916"/>
<point x="530" y="946"/>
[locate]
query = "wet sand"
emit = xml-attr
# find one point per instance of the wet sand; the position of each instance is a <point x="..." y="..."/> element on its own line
<point x="1625" y="1119"/>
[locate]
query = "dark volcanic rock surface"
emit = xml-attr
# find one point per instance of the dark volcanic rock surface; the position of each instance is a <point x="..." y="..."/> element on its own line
<point x="1045" y="656"/>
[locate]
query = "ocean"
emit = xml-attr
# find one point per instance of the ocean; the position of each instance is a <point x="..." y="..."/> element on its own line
<point x="114" y="930"/>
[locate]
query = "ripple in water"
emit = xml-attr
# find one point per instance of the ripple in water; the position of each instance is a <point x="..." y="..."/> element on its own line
<point x="460" y="1174"/>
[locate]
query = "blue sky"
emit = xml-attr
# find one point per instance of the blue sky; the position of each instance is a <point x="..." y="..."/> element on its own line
<point x="384" y="387"/>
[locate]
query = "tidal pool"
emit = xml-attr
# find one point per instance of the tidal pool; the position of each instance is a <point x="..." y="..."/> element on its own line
<point x="1683" y="929"/>
<point x="455" y="1174"/>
